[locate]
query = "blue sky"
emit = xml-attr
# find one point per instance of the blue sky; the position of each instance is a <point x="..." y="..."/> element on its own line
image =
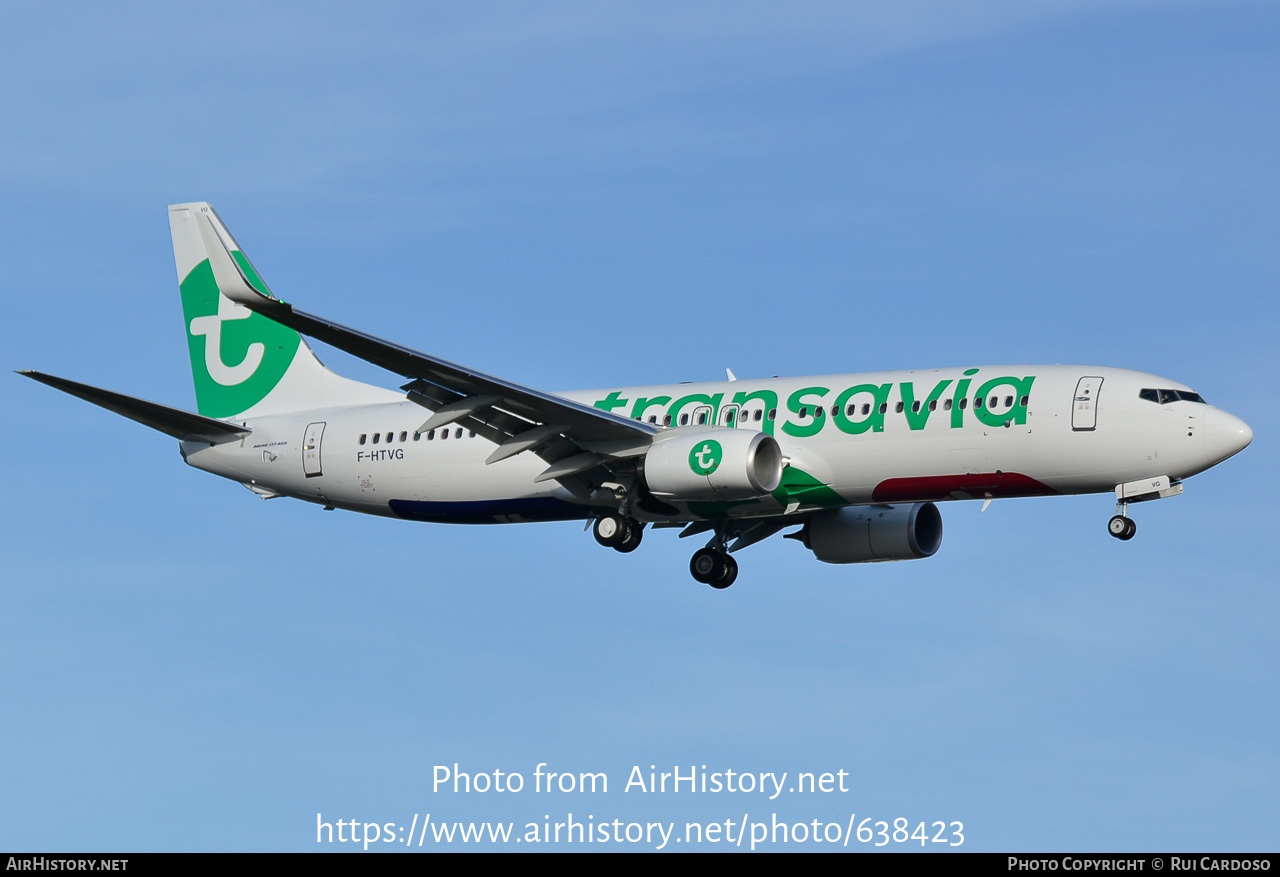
<point x="593" y="195"/>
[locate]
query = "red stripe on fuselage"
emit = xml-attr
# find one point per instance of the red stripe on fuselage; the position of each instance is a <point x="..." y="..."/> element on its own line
<point x="994" y="485"/>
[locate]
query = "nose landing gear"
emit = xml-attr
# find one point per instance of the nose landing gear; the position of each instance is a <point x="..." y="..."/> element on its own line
<point x="1121" y="526"/>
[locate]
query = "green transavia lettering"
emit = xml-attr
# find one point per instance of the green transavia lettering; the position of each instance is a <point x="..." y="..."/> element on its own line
<point x="854" y="410"/>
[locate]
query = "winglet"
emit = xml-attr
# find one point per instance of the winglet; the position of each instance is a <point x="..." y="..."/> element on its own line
<point x="231" y="278"/>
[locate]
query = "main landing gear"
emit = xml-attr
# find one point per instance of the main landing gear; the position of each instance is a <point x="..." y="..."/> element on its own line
<point x="714" y="567"/>
<point x="711" y="565"/>
<point x="619" y="533"/>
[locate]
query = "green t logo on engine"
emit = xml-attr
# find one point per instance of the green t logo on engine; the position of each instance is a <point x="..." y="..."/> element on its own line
<point x="705" y="457"/>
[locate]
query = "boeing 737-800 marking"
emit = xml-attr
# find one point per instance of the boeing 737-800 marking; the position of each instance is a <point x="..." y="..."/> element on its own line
<point x="856" y="462"/>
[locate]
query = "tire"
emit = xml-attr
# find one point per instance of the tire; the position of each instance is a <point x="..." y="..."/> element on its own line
<point x="728" y="575"/>
<point x="705" y="566"/>
<point x="1130" y="531"/>
<point x="631" y="539"/>
<point x="1119" y="526"/>
<point x="610" y="530"/>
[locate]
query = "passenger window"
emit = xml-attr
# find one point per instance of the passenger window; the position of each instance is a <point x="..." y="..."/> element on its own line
<point x="1008" y="401"/>
<point x="898" y="408"/>
<point x="702" y="419"/>
<point x="866" y="407"/>
<point x="444" y="434"/>
<point x="390" y="437"/>
<point x="977" y="402"/>
<point x="431" y="435"/>
<point x="884" y="406"/>
<point x="416" y="435"/>
<point x="1024" y="400"/>
<point x="915" y="407"/>
<point x="653" y="418"/>
<point x="773" y="413"/>
<point x="804" y="412"/>
<point x="362" y="437"/>
<point x="666" y="421"/>
<point x="995" y="400"/>
<point x="933" y="404"/>
<point x="946" y="406"/>
<point x="376" y="437"/>
<point x="964" y="403"/>
<point x="758" y="414"/>
<point x="684" y="419"/>
<point x="853" y="409"/>
<point x="818" y="412"/>
<point x="404" y="436"/>
<point x="458" y="434"/>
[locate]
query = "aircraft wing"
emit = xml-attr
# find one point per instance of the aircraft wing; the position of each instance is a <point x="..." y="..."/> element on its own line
<point x="574" y="438"/>
<point x="171" y="421"/>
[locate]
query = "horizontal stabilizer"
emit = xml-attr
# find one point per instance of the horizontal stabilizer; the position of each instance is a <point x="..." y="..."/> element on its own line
<point x="171" y="421"/>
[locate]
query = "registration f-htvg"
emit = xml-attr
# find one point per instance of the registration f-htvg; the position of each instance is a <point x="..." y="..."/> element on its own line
<point x="855" y="462"/>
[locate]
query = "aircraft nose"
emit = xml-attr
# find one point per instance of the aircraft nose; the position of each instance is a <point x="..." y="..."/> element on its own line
<point x="1224" y="435"/>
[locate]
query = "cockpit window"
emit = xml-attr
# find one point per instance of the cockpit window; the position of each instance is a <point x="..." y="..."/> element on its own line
<point x="1164" y="397"/>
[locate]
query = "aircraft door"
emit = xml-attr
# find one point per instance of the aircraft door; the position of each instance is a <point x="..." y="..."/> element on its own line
<point x="311" y="450"/>
<point x="729" y="416"/>
<point x="1084" y="407"/>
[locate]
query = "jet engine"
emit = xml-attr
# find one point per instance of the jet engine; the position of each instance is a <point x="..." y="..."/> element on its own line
<point x="713" y="464"/>
<point x="867" y="534"/>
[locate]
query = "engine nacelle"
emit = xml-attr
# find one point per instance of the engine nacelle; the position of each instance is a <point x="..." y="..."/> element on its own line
<point x="867" y="534"/>
<point x="713" y="464"/>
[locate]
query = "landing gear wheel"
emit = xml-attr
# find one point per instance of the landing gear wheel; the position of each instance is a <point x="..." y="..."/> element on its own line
<point x="729" y="574"/>
<point x="1122" y="528"/>
<point x="714" y="568"/>
<point x="611" y="530"/>
<point x="631" y="540"/>
<point x="705" y="565"/>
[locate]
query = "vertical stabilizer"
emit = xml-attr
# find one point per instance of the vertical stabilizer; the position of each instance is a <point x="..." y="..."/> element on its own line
<point x="242" y="363"/>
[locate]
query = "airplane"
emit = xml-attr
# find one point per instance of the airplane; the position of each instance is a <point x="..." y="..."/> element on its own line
<point x="858" y="462"/>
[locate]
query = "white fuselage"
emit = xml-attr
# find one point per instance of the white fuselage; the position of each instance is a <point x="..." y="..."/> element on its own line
<point x="849" y="439"/>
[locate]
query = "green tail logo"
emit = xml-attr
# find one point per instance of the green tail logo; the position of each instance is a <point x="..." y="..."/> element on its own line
<point x="237" y="356"/>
